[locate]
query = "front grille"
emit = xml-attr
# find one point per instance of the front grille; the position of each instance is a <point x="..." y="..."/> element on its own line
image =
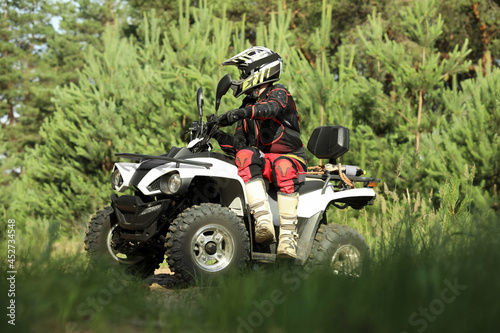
<point x="154" y="186"/>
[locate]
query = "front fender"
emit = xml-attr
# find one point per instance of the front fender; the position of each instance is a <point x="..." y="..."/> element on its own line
<point x="224" y="173"/>
<point x="127" y="170"/>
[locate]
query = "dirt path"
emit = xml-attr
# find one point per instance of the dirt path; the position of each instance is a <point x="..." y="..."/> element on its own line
<point x="162" y="280"/>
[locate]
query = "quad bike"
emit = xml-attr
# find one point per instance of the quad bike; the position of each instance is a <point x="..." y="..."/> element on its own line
<point x="190" y="205"/>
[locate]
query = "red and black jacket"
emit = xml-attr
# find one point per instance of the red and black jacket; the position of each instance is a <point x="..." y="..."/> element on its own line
<point x="272" y="125"/>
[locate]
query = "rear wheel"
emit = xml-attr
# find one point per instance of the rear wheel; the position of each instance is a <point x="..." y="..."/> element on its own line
<point x="206" y="241"/>
<point x="340" y="249"/>
<point x="103" y="243"/>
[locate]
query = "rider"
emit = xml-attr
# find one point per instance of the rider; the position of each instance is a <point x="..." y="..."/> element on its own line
<point x="266" y="143"/>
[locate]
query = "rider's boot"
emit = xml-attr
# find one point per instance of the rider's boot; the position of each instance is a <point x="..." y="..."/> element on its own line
<point x="259" y="205"/>
<point x="287" y="206"/>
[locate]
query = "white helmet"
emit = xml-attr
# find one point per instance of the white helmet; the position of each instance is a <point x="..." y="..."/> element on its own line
<point x="257" y="65"/>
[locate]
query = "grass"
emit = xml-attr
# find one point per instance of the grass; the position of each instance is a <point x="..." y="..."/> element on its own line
<point x="432" y="271"/>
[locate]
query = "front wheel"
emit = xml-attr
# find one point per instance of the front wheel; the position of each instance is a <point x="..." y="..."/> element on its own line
<point x="103" y="242"/>
<point x="206" y="241"/>
<point x="340" y="249"/>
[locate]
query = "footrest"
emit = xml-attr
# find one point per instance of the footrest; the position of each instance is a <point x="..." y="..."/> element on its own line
<point x="263" y="257"/>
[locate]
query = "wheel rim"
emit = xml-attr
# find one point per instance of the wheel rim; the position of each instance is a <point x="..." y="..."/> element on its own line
<point x="346" y="261"/>
<point x="112" y="243"/>
<point x="212" y="248"/>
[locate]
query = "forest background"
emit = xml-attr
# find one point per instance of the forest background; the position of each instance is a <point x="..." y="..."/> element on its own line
<point x="416" y="82"/>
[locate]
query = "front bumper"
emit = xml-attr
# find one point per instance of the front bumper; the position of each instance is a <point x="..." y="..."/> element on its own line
<point x="133" y="214"/>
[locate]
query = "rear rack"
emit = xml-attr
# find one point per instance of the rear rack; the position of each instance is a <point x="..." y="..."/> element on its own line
<point x="330" y="172"/>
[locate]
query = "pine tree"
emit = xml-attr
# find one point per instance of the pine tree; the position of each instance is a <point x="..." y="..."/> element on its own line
<point x="475" y="21"/>
<point x="35" y="59"/>
<point x="24" y="29"/>
<point x="413" y="74"/>
<point x="130" y="97"/>
<point x="468" y="143"/>
<point x="137" y="94"/>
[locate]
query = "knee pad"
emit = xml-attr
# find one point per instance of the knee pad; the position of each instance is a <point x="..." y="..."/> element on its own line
<point x="285" y="174"/>
<point x="250" y="163"/>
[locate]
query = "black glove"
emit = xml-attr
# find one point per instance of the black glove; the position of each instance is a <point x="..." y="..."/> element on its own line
<point x="230" y="117"/>
<point x="212" y="124"/>
<point x="214" y="130"/>
<point x="212" y="120"/>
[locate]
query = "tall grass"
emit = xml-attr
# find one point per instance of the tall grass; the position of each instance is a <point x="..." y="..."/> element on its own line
<point x="431" y="271"/>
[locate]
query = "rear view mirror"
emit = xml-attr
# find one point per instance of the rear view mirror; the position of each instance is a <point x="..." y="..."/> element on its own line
<point x="222" y="88"/>
<point x="199" y="101"/>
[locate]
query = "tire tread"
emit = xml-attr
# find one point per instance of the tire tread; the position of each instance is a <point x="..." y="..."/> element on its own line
<point x="177" y="231"/>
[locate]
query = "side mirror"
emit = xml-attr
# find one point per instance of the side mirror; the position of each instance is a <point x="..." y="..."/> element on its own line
<point x="222" y="88"/>
<point x="199" y="101"/>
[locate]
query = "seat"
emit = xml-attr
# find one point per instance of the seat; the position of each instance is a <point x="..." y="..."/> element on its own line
<point x="310" y="185"/>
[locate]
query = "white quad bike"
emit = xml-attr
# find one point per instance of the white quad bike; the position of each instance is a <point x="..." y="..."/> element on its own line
<point x="190" y="205"/>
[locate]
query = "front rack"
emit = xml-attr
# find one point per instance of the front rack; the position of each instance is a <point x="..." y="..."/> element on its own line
<point x="141" y="158"/>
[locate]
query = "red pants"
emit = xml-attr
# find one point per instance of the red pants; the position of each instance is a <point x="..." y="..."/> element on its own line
<point x="286" y="171"/>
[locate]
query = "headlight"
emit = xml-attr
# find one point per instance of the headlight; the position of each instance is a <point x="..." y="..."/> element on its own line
<point x="171" y="184"/>
<point x="116" y="179"/>
<point x="174" y="183"/>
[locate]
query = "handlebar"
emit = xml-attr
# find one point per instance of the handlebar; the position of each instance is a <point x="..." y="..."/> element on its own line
<point x="203" y="132"/>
